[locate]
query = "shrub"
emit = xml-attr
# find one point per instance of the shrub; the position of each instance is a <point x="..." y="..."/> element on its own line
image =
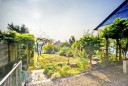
<point x="50" y="49"/>
<point x="55" y="76"/>
<point x="49" y="70"/>
<point x="69" y="53"/>
<point x="60" y="64"/>
<point x="64" y="69"/>
<point x="73" y="72"/>
<point x="63" y="51"/>
<point x="31" y="68"/>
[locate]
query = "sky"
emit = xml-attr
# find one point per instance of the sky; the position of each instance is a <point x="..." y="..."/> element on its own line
<point x="56" y="19"/>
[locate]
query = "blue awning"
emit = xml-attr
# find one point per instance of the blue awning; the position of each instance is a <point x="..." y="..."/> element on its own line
<point x="120" y="12"/>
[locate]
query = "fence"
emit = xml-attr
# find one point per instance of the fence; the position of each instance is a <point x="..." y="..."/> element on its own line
<point x="3" y="54"/>
<point x="13" y="78"/>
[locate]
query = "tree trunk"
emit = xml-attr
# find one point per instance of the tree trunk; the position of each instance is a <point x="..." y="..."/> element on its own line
<point x="90" y="58"/>
<point x="125" y="54"/>
<point x="117" y="43"/>
<point x="120" y="58"/>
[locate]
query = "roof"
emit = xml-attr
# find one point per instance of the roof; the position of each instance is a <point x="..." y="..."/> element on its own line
<point x="119" y="12"/>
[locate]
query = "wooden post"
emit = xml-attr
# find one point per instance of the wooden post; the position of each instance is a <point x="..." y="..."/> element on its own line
<point x="27" y="54"/>
<point x="9" y="52"/>
<point x="16" y="77"/>
<point x="106" y="56"/>
<point x="90" y="58"/>
<point x="16" y="58"/>
<point x="117" y="49"/>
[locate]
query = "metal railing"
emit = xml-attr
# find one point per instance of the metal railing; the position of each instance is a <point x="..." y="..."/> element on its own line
<point x="13" y="78"/>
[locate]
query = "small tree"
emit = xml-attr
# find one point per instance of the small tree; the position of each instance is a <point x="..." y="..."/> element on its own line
<point x="72" y="40"/>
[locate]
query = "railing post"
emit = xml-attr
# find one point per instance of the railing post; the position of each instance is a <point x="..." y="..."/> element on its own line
<point x="16" y="78"/>
<point x="10" y="79"/>
<point x="20" y="69"/>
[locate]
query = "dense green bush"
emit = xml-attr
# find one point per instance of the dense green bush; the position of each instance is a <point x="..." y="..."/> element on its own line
<point x="50" y="49"/>
<point x="63" y="51"/>
<point x="4" y="70"/>
<point x="49" y="70"/>
<point x="66" y="51"/>
<point x="64" y="70"/>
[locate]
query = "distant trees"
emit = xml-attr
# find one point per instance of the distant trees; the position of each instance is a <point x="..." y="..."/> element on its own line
<point x="20" y="29"/>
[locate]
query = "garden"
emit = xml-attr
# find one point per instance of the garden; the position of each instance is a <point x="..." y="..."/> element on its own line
<point x="71" y="57"/>
<point x="76" y="56"/>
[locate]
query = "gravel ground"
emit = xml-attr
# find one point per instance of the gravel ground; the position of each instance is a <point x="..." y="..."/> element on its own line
<point x="111" y="76"/>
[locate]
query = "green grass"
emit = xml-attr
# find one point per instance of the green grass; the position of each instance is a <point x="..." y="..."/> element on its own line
<point x="51" y="59"/>
<point x="46" y="61"/>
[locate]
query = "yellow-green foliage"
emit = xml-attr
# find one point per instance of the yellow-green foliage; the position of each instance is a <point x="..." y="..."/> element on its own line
<point x="52" y="59"/>
<point x="64" y="70"/>
<point x="73" y="71"/>
<point x="52" y="64"/>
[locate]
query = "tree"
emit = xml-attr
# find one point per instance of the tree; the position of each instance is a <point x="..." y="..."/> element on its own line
<point x="72" y="40"/>
<point x="86" y="46"/>
<point x="18" y="29"/>
<point x="23" y="29"/>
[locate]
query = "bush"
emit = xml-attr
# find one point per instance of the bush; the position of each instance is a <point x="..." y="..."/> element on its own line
<point x="64" y="69"/>
<point x="60" y="64"/>
<point x="69" y="53"/>
<point x="50" y="49"/>
<point x="49" y="70"/>
<point x="72" y="72"/>
<point x="55" y="76"/>
<point x="63" y="51"/>
<point x="31" y="68"/>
